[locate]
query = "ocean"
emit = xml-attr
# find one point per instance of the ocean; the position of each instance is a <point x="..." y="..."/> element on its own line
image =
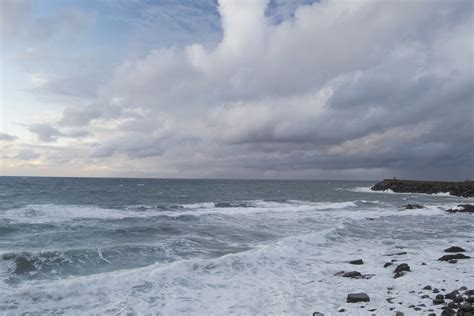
<point x="218" y="247"/>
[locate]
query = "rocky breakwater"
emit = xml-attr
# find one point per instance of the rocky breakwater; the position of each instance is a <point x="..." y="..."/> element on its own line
<point x="465" y="188"/>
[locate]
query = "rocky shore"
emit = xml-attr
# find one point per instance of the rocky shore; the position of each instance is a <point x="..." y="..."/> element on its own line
<point x="426" y="299"/>
<point x="464" y="189"/>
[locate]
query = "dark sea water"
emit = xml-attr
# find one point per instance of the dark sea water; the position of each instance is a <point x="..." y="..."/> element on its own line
<point x="214" y="247"/>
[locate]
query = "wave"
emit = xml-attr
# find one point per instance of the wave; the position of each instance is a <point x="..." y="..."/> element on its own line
<point x="52" y="213"/>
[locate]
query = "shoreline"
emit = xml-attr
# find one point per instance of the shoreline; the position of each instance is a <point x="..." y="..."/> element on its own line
<point x="462" y="189"/>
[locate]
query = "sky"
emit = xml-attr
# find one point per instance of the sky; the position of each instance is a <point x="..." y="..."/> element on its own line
<point x="252" y="89"/>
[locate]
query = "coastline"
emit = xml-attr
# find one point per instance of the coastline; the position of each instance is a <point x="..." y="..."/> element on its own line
<point x="462" y="189"/>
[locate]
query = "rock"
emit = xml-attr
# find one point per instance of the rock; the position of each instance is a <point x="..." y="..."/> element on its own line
<point x="402" y="267"/>
<point x="318" y="314"/>
<point x="469" y="292"/>
<point x="357" y="262"/>
<point x="357" y="297"/>
<point x="387" y="264"/>
<point x="425" y="296"/>
<point x="435" y="291"/>
<point x="439" y="296"/>
<point x="470" y="299"/>
<point x="412" y="206"/>
<point x="448" y="311"/>
<point x="454" y="249"/>
<point x="351" y="274"/>
<point x="462" y="288"/>
<point x="465" y="188"/>
<point x="462" y="208"/>
<point x="465" y="306"/>
<point x="342" y="310"/>
<point x="438" y="301"/>
<point x="423" y="264"/>
<point x="399" y="274"/>
<point x="398" y="313"/>
<point x="428" y="287"/>
<point x="396" y="254"/>
<point x="452" y="295"/>
<point x="451" y="257"/>
<point x="453" y="261"/>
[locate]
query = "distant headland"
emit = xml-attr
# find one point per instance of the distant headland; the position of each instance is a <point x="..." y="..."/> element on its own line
<point x="464" y="188"/>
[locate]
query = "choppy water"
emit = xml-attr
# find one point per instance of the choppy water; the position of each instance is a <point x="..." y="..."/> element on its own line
<point x="70" y="245"/>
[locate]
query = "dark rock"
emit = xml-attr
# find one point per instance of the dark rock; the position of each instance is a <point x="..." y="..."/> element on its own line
<point x="412" y="206"/>
<point x="423" y="264"/>
<point x="428" y="287"/>
<point x="425" y="296"/>
<point x="465" y="306"/>
<point x="435" y="291"/>
<point x="399" y="274"/>
<point x="469" y="292"/>
<point x="470" y="299"/>
<point x="318" y="314"/>
<point x="454" y="249"/>
<point x="431" y="314"/>
<point x="396" y="254"/>
<point x="452" y="295"/>
<point x="398" y="313"/>
<point x="451" y="257"/>
<point x="452" y="305"/>
<point x="357" y="297"/>
<point x="458" y="299"/>
<point x="402" y="267"/>
<point x="462" y="208"/>
<point x="453" y="261"/>
<point x="437" y="301"/>
<point x="465" y="188"/>
<point x="439" y="296"/>
<point x="387" y="264"/>
<point x="462" y="288"/>
<point x="357" y="262"/>
<point x="342" y="310"/>
<point x="448" y="311"/>
<point x="351" y="274"/>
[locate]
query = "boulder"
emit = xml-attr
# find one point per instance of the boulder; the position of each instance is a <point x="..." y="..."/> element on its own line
<point x="402" y="267"/>
<point x="412" y="206"/>
<point x="454" y="249"/>
<point x="357" y="297"/>
<point x="453" y="257"/>
<point x="357" y="262"/>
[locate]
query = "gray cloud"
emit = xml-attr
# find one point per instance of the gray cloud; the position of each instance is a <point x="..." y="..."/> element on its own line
<point x="332" y="89"/>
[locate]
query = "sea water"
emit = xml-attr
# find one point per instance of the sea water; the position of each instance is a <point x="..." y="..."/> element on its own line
<point x="218" y="247"/>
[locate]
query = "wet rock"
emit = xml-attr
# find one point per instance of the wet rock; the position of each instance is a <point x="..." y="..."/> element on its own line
<point x="398" y="313"/>
<point x="387" y="264"/>
<point x="470" y="299"/>
<point x="342" y="310"/>
<point x="455" y="257"/>
<point x="452" y="295"/>
<point x="396" y="254"/>
<point x="357" y="262"/>
<point x="412" y="206"/>
<point x="435" y="291"/>
<point x="428" y="287"/>
<point x="425" y="296"/>
<point x="462" y="208"/>
<point x="399" y="274"/>
<point x="402" y="267"/>
<point x="465" y="306"/>
<point x="462" y="288"/>
<point x="447" y="311"/>
<point x="469" y="292"/>
<point x="357" y="297"/>
<point x="454" y="249"/>
<point x="453" y="261"/>
<point x="318" y="314"/>
<point x="438" y="301"/>
<point x="351" y="274"/>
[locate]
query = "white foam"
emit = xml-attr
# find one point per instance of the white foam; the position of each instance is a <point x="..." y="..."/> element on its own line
<point x="52" y="213"/>
<point x="293" y="276"/>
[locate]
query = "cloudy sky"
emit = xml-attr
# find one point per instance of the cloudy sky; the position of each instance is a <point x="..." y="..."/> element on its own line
<point x="335" y="89"/>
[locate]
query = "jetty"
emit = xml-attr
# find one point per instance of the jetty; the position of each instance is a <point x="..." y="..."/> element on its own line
<point x="462" y="188"/>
